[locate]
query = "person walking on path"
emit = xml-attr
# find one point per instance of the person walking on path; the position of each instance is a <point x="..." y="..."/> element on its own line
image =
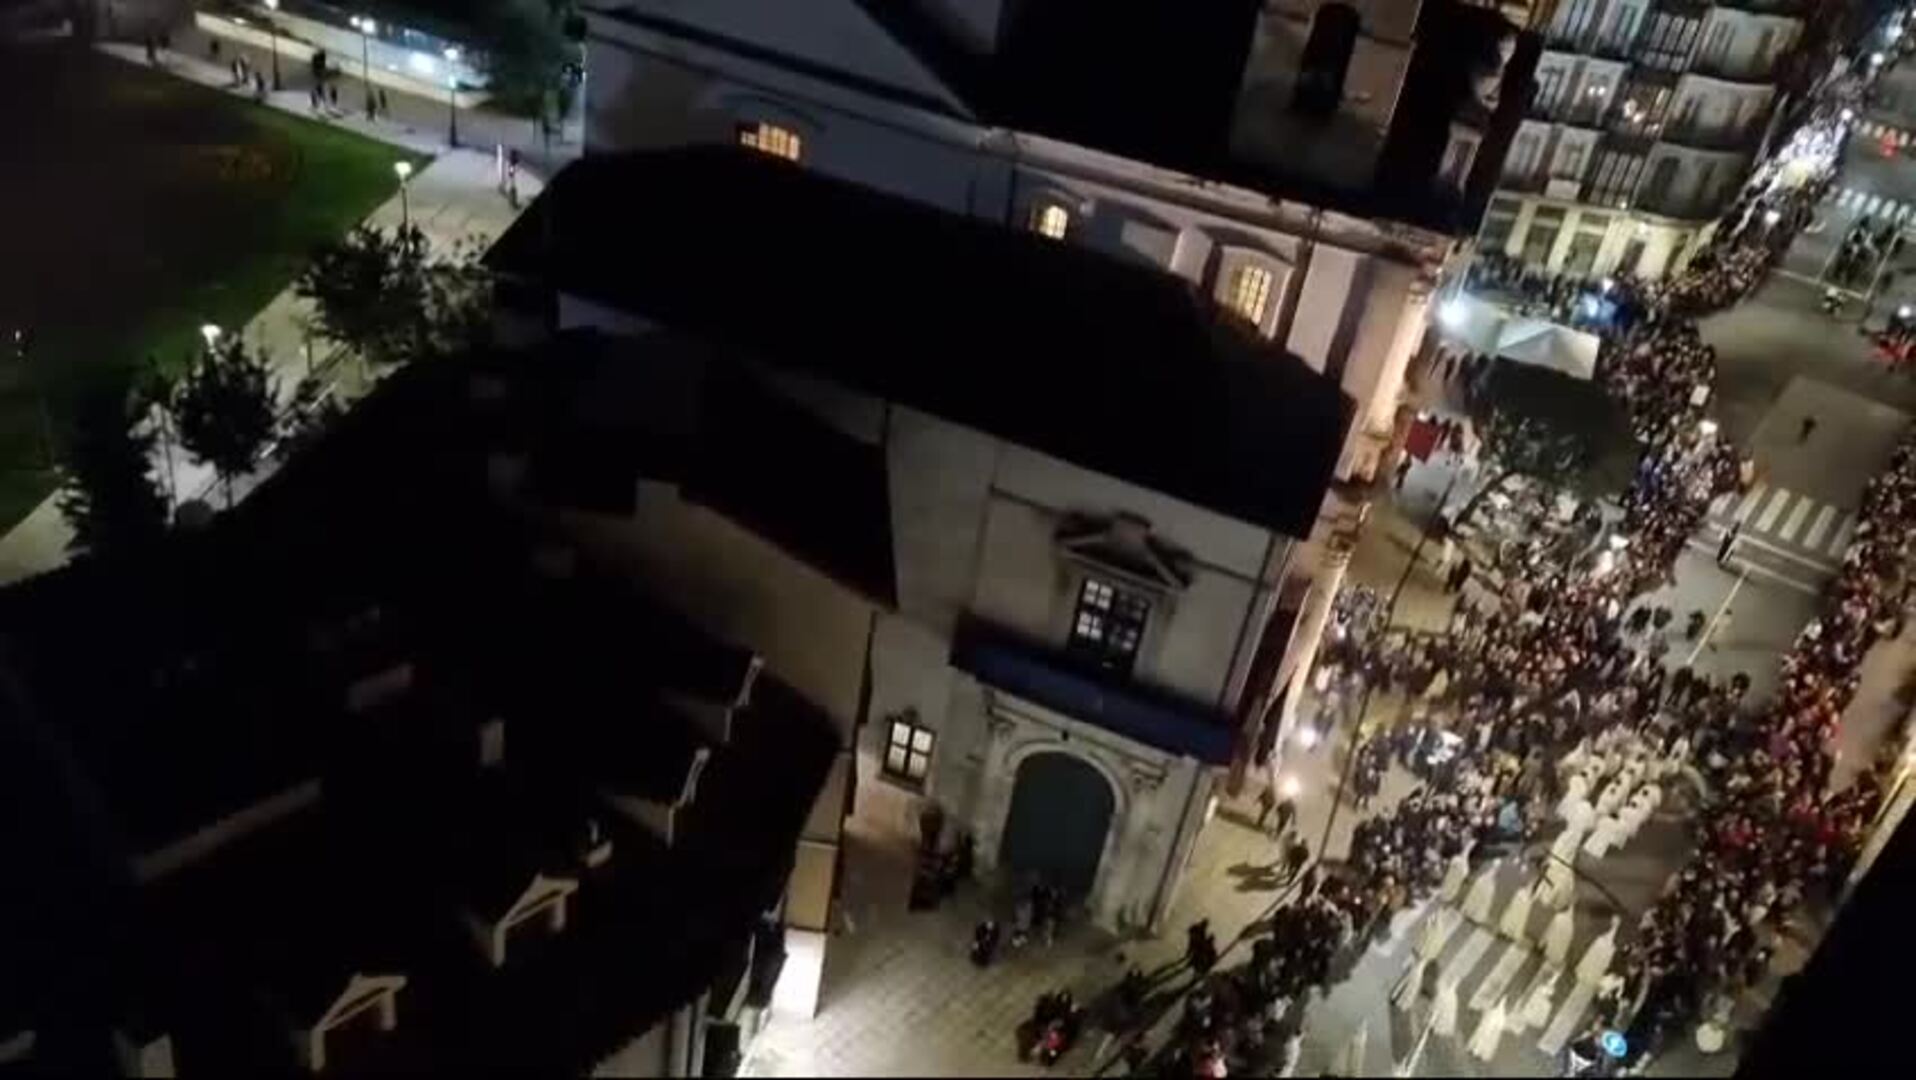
<point x="1808" y="427"/>
<point x="1266" y="802"/>
<point x="1286" y="814"/>
<point x="1729" y="542"/>
<point x="1294" y="859"/>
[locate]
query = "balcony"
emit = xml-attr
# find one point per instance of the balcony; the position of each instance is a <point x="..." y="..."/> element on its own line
<point x="1719" y="137"/>
<point x="1580" y="110"/>
<point x="1047" y="676"/>
<point x="1798" y="8"/>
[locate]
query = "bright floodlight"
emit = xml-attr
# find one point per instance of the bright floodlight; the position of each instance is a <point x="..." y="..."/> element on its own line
<point x="1307" y="736"/>
<point x="452" y="54"/>
<point x="211" y="332"/>
<point x="1609" y="283"/>
<point x="1706" y="426"/>
<point x="403" y="168"/>
<point x="1289" y="787"/>
<point x="273" y="4"/>
<point x="1876" y="59"/>
<point x="1452" y="313"/>
<point x="1905" y="311"/>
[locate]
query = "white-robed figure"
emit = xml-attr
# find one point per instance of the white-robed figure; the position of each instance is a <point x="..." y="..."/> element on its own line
<point x="1436" y="930"/>
<point x="1540" y="1004"/>
<point x="1607" y="835"/>
<point x="1483" y="894"/>
<point x="1411" y="986"/>
<point x="1443" y="1008"/>
<point x="1612" y="796"/>
<point x="1352" y="1062"/>
<point x="1564" y="847"/>
<point x="1559" y="885"/>
<point x="1578" y="816"/>
<point x="1490" y="1032"/>
<point x="1558" y="936"/>
<point x="1575" y="790"/>
<point x="1576" y="759"/>
<point x="1596" y="959"/>
<point x="1516" y="920"/>
<point x="1456" y="872"/>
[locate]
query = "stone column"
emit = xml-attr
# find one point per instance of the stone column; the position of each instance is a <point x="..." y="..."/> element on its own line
<point x="994" y="790"/>
<point x="1301" y="657"/>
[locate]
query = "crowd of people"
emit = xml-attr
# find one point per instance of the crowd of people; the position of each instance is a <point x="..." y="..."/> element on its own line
<point x="1496" y="717"/>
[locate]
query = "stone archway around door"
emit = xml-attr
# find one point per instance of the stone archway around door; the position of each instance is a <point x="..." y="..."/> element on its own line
<point x="1061" y="815"/>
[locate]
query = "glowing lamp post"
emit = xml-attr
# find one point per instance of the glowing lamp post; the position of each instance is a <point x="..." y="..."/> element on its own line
<point x="404" y="171"/>
<point x="452" y="95"/>
<point x="272" y="28"/>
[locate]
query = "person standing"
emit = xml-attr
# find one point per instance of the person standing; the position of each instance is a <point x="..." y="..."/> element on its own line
<point x="1266" y="802"/>
<point x="1804" y="431"/>
<point x="1729" y="542"/>
<point x="1286" y="813"/>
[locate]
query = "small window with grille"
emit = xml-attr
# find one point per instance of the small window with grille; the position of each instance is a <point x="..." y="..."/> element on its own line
<point x="1109" y="624"/>
<point x="908" y="750"/>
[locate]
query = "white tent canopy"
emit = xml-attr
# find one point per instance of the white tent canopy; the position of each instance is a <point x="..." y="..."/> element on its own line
<point x="1481" y="326"/>
<point x="1548" y="344"/>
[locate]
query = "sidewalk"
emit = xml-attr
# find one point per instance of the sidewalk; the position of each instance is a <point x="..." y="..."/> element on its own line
<point x="453" y="199"/>
<point x="415" y="122"/>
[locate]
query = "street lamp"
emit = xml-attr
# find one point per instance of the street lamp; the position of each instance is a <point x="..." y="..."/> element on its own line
<point x="211" y="332"/>
<point x="1289" y="787"/>
<point x="1452" y="313"/>
<point x="1707" y="426"/>
<point x="404" y="169"/>
<point x="452" y="95"/>
<point x="272" y="28"/>
<point x="1307" y="736"/>
<point x="1772" y="216"/>
<point x="367" y="28"/>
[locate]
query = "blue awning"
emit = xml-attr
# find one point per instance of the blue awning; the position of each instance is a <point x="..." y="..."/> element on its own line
<point x="1044" y="676"/>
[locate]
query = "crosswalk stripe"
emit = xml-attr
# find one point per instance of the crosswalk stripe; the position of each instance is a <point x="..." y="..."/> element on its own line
<point x="1721" y="503"/>
<point x="1870" y="204"/>
<point x="1498" y="981"/>
<point x="1902" y="212"/>
<point x="1775" y="507"/>
<point x="1846" y="197"/>
<point x="1840" y="542"/>
<point x="1824" y="519"/>
<point x="1795" y="520"/>
<point x="1475" y="946"/>
<point x="1569" y="1017"/>
<point x="1749" y="501"/>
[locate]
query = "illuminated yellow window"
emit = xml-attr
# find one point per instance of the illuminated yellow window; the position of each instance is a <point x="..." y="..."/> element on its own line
<point x="771" y="139"/>
<point x="1052" y="220"/>
<point x="1250" y="292"/>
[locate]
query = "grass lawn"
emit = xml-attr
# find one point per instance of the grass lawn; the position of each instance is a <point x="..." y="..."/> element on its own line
<point x="135" y="207"/>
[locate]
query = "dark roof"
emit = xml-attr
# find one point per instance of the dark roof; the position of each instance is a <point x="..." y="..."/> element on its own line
<point x="1113" y="367"/>
<point x="1156" y="81"/>
<point x="388" y="511"/>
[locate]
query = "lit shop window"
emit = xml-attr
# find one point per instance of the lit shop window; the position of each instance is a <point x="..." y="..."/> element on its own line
<point x="1250" y="293"/>
<point x="771" y="139"/>
<point x="1052" y="220"/>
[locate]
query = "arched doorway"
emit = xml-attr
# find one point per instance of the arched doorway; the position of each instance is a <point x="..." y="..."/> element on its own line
<point x="1061" y="810"/>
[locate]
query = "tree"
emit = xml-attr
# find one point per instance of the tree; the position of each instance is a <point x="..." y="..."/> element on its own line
<point x="530" y="45"/>
<point x="107" y="489"/>
<point x="224" y="409"/>
<point x="383" y="296"/>
<point x="1556" y="430"/>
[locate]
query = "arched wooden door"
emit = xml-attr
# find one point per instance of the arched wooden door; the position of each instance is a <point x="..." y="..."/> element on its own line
<point x="1060" y="813"/>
